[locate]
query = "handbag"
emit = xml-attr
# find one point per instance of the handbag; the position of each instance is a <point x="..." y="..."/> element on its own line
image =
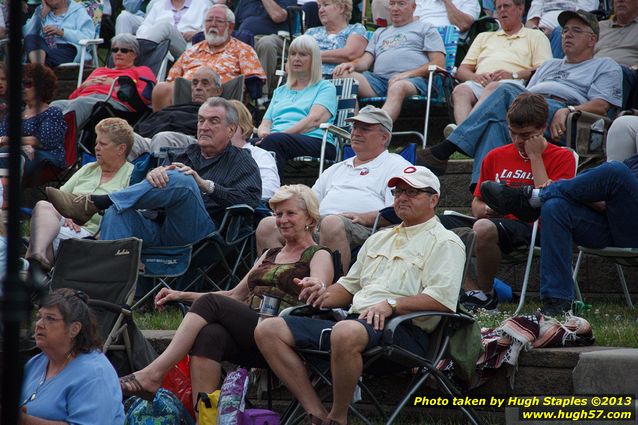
<point x="178" y="381"/>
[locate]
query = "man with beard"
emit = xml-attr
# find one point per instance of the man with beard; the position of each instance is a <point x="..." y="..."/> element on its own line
<point x="225" y="55"/>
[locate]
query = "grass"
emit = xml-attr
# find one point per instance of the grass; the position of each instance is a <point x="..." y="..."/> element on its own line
<point x="614" y="324"/>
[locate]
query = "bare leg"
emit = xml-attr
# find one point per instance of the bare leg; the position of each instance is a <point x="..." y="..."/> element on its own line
<point x="347" y="341"/>
<point x="151" y="376"/>
<point x="464" y="101"/>
<point x="267" y="235"/>
<point x="37" y="56"/>
<point x="365" y="89"/>
<point x="489" y="89"/>
<point x="332" y="234"/>
<point x="488" y="253"/>
<point x="205" y="375"/>
<point x="162" y="95"/>
<point x="396" y="93"/>
<point x="275" y="341"/>
<point x="45" y="226"/>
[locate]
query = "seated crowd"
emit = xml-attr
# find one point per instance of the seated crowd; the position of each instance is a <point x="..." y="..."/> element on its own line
<point x="516" y="88"/>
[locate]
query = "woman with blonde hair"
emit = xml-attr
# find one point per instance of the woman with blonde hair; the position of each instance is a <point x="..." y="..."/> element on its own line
<point x="265" y="161"/>
<point x="290" y="127"/>
<point x="220" y="325"/>
<point x="110" y="172"/>
<point x="338" y="41"/>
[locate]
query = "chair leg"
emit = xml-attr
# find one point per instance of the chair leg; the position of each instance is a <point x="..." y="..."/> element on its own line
<point x="577" y="292"/>
<point x="528" y="269"/>
<point x="623" y="283"/>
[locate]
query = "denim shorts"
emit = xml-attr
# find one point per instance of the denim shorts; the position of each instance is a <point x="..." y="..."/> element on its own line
<point x="315" y="334"/>
<point x="380" y="84"/>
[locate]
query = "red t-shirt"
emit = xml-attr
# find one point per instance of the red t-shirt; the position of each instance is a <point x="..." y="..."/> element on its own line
<point x="505" y="164"/>
<point x="134" y="73"/>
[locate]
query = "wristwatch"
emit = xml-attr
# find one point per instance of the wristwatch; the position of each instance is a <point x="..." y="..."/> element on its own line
<point x="515" y="75"/>
<point x="571" y="108"/>
<point x="393" y="304"/>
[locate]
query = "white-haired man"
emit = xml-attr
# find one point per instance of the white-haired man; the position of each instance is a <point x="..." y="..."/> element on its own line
<point x="353" y="191"/>
<point x="399" y="57"/>
<point x="225" y="55"/>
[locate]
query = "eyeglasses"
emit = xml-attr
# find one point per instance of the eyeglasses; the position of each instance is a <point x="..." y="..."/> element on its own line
<point x="47" y="319"/>
<point x="410" y="191"/>
<point x="121" y="49"/>
<point x="216" y="21"/>
<point x="27" y="84"/>
<point x="575" y="31"/>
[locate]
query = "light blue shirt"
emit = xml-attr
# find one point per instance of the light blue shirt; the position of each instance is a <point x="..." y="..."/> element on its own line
<point x="335" y="41"/>
<point x="288" y="106"/>
<point x="85" y="392"/>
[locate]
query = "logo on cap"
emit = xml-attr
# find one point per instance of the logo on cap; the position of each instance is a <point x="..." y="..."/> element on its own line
<point x="409" y="170"/>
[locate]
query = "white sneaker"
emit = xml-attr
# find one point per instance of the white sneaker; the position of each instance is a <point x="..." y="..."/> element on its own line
<point x="448" y="130"/>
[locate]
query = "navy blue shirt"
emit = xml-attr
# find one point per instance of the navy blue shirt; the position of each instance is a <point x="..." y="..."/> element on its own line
<point x="251" y="16"/>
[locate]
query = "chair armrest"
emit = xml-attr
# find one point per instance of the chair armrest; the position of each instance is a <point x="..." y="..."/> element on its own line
<point x="240" y="209"/>
<point x="299" y="310"/>
<point x="91" y="41"/>
<point x="335" y="130"/>
<point x="393" y="324"/>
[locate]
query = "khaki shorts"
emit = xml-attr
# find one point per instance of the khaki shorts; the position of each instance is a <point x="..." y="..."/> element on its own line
<point x="355" y="233"/>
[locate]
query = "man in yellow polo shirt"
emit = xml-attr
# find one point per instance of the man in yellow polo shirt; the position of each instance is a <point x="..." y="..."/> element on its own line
<point x="415" y="266"/>
<point x="509" y="54"/>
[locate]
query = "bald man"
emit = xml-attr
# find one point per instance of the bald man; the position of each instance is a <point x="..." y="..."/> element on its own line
<point x="176" y="125"/>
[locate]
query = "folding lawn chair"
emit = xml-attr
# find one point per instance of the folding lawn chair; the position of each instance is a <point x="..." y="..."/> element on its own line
<point x="376" y="360"/>
<point x="187" y="267"/>
<point x="107" y="272"/>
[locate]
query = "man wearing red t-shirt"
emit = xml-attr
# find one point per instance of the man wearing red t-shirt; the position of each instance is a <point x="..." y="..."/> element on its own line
<point x="529" y="160"/>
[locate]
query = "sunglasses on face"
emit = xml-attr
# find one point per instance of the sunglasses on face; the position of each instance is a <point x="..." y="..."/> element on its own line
<point x="121" y="49"/>
<point x="27" y="84"/>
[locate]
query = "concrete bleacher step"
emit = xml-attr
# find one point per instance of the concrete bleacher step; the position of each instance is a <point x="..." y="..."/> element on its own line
<point x="543" y="371"/>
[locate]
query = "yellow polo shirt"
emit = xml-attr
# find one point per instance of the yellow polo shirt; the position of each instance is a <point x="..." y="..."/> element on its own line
<point x="492" y="51"/>
<point x="406" y="261"/>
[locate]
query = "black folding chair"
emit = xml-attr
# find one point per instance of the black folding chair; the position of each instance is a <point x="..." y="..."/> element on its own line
<point x="107" y="272"/>
<point x="188" y="267"/>
<point x="377" y="360"/>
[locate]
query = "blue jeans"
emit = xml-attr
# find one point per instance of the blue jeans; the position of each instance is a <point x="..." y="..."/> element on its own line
<point x="566" y="216"/>
<point x="186" y="220"/>
<point x="486" y="127"/>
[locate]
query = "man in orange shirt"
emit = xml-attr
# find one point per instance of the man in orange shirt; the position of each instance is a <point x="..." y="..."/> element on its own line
<point x="227" y="56"/>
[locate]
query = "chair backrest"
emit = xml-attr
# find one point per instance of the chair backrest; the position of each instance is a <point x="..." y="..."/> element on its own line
<point x="450" y="35"/>
<point x="70" y="140"/>
<point x="95" y="9"/>
<point x="104" y="270"/>
<point x="347" y="90"/>
<point x="151" y="54"/>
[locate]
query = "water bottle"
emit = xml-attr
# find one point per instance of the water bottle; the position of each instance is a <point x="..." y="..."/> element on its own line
<point x="596" y="136"/>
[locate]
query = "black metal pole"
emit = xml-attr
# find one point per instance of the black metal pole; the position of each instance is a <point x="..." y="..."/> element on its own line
<point x="15" y="302"/>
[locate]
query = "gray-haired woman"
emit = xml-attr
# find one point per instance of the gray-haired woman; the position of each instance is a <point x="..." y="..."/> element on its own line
<point x="71" y="381"/>
<point x="125" y="49"/>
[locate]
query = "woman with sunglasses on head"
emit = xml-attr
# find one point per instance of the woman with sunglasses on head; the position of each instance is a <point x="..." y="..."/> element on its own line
<point x="71" y="381"/>
<point x="43" y="126"/>
<point x="124" y="50"/>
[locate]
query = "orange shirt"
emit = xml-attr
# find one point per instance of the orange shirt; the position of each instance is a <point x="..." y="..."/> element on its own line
<point x="237" y="58"/>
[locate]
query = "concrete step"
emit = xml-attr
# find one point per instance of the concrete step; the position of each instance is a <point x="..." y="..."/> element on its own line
<point x="543" y="371"/>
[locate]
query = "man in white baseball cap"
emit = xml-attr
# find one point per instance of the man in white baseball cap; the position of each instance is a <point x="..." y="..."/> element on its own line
<point x="352" y="192"/>
<point x="415" y="266"/>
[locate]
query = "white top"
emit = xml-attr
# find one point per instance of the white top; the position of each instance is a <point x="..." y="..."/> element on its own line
<point x="548" y="10"/>
<point x="191" y="20"/>
<point x="434" y="11"/>
<point x="346" y="188"/>
<point x="267" y="169"/>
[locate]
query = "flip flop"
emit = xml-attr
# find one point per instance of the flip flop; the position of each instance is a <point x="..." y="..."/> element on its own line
<point x="132" y="387"/>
